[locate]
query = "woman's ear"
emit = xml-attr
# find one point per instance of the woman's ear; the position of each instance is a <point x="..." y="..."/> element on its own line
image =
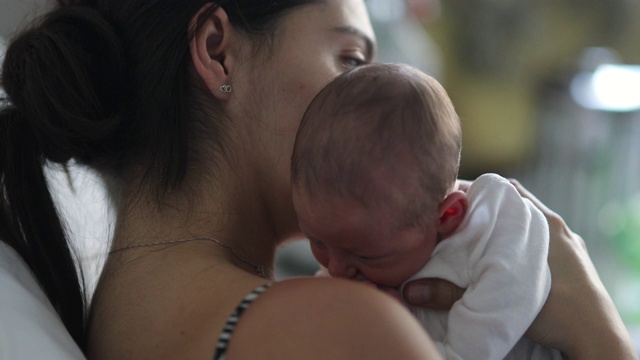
<point x="451" y="212"/>
<point x="211" y="52"/>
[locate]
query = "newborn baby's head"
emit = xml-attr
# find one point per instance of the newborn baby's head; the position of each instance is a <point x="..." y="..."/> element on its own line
<point x="376" y="154"/>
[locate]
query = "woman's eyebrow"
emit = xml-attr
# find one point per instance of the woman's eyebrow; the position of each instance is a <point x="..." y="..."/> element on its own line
<point x="350" y="30"/>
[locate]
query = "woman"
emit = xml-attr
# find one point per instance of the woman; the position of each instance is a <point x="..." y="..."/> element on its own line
<point x="189" y="110"/>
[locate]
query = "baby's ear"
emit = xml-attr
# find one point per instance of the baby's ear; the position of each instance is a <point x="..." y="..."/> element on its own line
<point x="451" y="212"/>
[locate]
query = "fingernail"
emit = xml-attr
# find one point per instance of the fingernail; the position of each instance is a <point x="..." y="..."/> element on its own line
<point x="419" y="294"/>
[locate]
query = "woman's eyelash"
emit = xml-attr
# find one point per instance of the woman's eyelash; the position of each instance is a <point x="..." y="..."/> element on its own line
<point x="354" y="62"/>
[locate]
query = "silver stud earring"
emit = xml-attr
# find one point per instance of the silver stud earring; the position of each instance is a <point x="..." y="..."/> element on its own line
<point x="225" y="88"/>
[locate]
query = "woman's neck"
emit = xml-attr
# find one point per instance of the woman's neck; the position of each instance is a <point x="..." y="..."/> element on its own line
<point x="236" y="216"/>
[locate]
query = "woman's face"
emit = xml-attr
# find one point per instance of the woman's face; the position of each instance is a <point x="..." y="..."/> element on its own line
<point x="313" y="44"/>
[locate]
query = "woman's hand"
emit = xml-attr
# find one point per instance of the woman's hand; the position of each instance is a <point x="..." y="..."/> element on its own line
<point x="579" y="317"/>
<point x="436" y="294"/>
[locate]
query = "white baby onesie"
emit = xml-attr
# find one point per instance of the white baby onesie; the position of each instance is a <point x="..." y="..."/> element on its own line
<point x="499" y="255"/>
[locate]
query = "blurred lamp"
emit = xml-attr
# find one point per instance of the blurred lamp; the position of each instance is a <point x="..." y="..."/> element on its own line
<point x="610" y="87"/>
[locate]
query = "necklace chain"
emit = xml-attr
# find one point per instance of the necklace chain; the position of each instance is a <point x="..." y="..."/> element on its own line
<point x="259" y="269"/>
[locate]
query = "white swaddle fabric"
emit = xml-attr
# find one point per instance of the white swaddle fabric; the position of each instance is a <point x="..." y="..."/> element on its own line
<point x="30" y="328"/>
<point x="499" y="255"/>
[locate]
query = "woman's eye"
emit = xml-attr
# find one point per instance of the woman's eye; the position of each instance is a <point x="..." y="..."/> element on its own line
<point x="352" y="62"/>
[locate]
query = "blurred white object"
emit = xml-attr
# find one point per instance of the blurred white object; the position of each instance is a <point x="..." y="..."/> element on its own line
<point x="611" y="87"/>
<point x="2" y="50"/>
<point x="605" y="84"/>
<point x="295" y="259"/>
<point x="29" y="325"/>
<point x="401" y="34"/>
<point x="387" y="10"/>
<point x="83" y="203"/>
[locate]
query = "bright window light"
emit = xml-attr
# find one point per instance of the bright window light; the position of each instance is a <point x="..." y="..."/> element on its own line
<point x="610" y="87"/>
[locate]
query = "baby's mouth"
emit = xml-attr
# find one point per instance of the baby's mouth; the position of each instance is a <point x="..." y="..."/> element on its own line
<point x="393" y="291"/>
<point x="368" y="282"/>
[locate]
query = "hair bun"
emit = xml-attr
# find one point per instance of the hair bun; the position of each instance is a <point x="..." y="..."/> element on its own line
<point x="66" y="76"/>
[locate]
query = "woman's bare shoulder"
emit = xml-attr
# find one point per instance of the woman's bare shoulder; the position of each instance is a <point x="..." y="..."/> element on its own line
<point x="324" y="318"/>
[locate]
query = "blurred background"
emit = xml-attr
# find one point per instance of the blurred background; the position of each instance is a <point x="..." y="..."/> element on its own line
<point x="548" y="92"/>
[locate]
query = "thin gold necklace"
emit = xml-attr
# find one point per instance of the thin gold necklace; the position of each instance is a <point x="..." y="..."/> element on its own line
<point x="259" y="269"/>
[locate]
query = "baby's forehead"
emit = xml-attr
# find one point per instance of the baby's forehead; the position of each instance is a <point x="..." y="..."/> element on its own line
<point x="385" y="186"/>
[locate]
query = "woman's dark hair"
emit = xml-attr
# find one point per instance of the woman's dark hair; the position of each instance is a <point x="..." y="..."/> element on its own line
<point x="107" y="83"/>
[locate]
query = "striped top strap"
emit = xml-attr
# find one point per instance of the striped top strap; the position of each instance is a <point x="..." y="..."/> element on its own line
<point x="229" y="327"/>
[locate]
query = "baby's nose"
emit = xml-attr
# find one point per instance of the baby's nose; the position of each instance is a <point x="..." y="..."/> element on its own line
<point x="342" y="269"/>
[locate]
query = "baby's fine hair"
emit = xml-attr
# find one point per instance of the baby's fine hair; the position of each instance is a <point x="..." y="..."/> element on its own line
<point x="380" y="115"/>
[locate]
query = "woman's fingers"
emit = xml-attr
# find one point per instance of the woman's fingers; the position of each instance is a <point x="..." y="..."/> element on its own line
<point x="528" y="195"/>
<point x="578" y="317"/>
<point x="436" y="294"/>
<point x="556" y="223"/>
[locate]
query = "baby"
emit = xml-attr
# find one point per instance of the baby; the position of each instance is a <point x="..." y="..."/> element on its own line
<point x="374" y="173"/>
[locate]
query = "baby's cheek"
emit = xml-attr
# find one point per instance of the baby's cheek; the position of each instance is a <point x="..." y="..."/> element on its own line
<point x="320" y="255"/>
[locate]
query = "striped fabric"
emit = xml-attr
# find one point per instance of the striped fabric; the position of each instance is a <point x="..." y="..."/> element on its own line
<point x="227" y="331"/>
